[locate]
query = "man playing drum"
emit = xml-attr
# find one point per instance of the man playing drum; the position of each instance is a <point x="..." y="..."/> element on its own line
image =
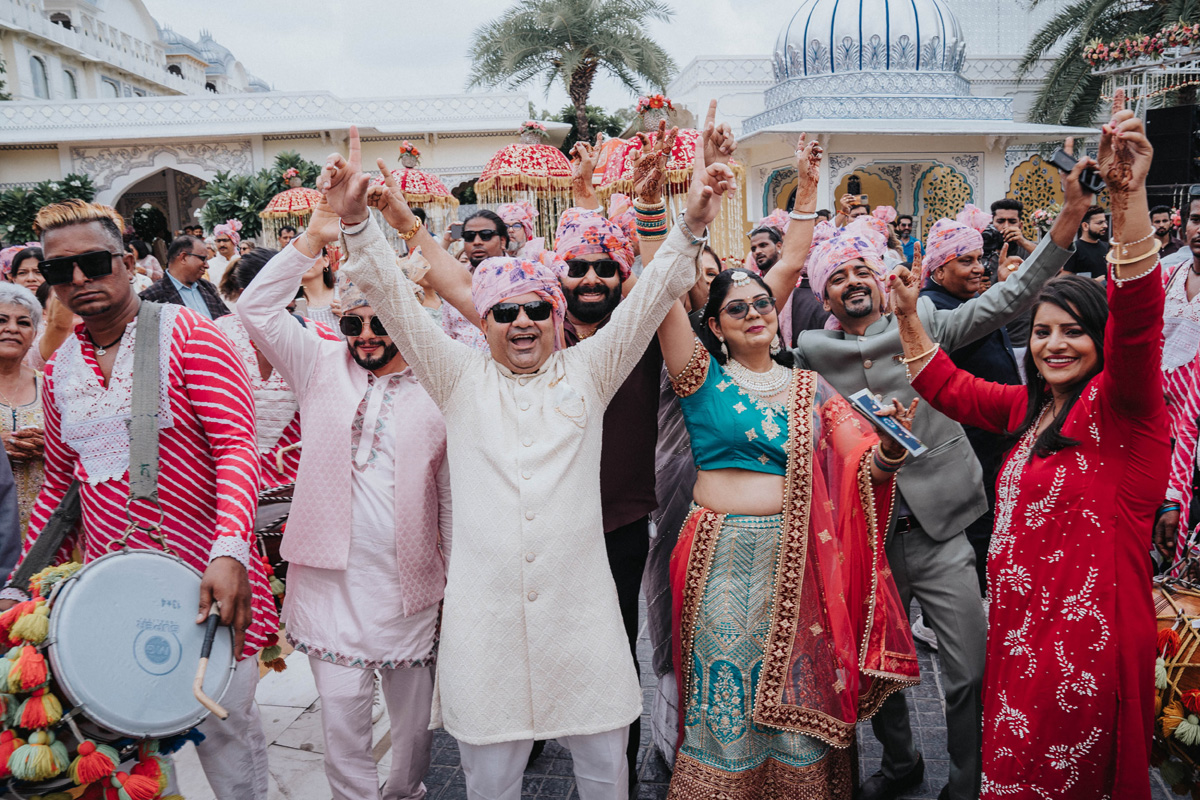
<point x="368" y="537"/>
<point x="208" y="463"/>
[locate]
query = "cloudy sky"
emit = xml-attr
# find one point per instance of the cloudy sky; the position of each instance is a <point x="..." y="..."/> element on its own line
<point x="362" y="48"/>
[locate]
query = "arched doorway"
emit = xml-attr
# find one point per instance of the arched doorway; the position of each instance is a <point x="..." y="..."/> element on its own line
<point x="169" y="192"/>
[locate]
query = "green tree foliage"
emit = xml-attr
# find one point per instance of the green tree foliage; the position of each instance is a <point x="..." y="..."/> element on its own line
<point x="1070" y="92"/>
<point x="242" y="197"/>
<point x="571" y="41"/>
<point x="19" y="206"/>
<point x="599" y="121"/>
<point x="4" y="95"/>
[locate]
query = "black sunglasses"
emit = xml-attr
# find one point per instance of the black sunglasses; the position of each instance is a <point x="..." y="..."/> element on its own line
<point x="352" y="325"/>
<point x="95" y="264"/>
<point x="605" y="268"/>
<point x="740" y="308"/>
<point x="486" y="236"/>
<point x="536" y="310"/>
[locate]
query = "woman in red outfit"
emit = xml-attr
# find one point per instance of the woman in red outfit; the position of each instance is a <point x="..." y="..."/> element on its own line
<point x="1068" y="691"/>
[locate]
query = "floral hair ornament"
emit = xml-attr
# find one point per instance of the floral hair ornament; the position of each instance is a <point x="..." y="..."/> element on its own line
<point x="739" y="278"/>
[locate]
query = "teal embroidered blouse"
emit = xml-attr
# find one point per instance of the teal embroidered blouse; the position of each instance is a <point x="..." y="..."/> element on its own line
<point x="729" y="427"/>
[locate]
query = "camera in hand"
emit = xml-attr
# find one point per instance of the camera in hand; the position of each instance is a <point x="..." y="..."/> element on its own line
<point x="993" y="239"/>
<point x="1089" y="179"/>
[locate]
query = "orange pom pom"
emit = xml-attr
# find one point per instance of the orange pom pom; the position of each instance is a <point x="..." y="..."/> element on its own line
<point x="29" y="672"/>
<point x="152" y="767"/>
<point x="93" y="763"/>
<point x="10" y="617"/>
<point x="1168" y="642"/>
<point x="136" y="787"/>
<point x="1191" y="700"/>
<point x="8" y="743"/>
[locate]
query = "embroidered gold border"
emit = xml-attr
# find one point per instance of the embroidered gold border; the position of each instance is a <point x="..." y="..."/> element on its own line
<point x="689" y="381"/>
<point x="704" y="541"/>
<point x="772" y="780"/>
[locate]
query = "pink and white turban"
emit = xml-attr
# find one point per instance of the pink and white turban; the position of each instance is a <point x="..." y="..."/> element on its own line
<point x="949" y="239"/>
<point x="231" y="228"/>
<point x="858" y="241"/>
<point x="777" y="219"/>
<point x="885" y="213"/>
<point x="584" y="232"/>
<point x="822" y="232"/>
<point x="519" y="213"/>
<point x="498" y="279"/>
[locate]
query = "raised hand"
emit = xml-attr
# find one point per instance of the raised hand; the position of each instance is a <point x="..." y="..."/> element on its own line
<point x="720" y="143"/>
<point x="1007" y="265"/>
<point x="808" y="165"/>
<point x="651" y="161"/>
<point x="904" y="286"/>
<point x="343" y="183"/>
<point x="322" y="229"/>
<point x="584" y="157"/>
<point x="710" y="182"/>
<point x="390" y="201"/>
<point x="1125" y="152"/>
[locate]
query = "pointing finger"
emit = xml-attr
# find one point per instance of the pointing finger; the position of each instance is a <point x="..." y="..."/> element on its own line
<point x="355" y="149"/>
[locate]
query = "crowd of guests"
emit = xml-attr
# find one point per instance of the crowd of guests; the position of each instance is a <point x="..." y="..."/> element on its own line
<point x="621" y="412"/>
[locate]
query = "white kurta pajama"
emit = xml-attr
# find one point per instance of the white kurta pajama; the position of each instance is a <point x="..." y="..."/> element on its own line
<point x="361" y="609"/>
<point x="532" y="644"/>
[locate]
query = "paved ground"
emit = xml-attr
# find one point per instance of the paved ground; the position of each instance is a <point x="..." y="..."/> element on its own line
<point x="291" y="717"/>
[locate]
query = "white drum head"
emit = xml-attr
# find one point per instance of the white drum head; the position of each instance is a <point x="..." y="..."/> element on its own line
<point x="124" y="644"/>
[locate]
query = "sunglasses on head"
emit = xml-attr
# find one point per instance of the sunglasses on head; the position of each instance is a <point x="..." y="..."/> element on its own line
<point x="486" y="236"/>
<point x="605" y="268"/>
<point x="536" y="310"/>
<point x="740" y="308"/>
<point x="95" y="264"/>
<point x="352" y="325"/>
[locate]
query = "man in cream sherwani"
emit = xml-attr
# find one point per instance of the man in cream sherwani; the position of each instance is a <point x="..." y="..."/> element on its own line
<point x="532" y="643"/>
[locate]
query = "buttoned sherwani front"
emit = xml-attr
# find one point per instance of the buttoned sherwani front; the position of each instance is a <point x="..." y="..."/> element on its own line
<point x="532" y="641"/>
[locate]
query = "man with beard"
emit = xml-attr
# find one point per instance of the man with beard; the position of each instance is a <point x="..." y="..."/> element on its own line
<point x="940" y="493"/>
<point x="766" y="244"/>
<point x="369" y="538"/>
<point x="485" y="235"/>
<point x="1160" y="218"/>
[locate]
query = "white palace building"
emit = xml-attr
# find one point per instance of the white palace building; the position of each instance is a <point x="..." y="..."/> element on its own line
<point x="917" y="98"/>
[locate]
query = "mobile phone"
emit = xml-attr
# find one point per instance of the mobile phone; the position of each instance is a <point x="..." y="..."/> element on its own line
<point x="456" y="231"/>
<point x="863" y="200"/>
<point x="866" y="403"/>
<point x="1089" y="179"/>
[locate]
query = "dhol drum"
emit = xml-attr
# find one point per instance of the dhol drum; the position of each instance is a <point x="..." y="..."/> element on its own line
<point x="1177" y="682"/>
<point x="122" y="651"/>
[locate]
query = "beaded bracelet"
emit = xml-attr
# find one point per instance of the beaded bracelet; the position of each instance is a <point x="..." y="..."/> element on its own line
<point x="650" y="220"/>
<point x="886" y="464"/>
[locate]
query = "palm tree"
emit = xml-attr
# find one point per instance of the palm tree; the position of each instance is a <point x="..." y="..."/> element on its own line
<point x="571" y="40"/>
<point x="1070" y="93"/>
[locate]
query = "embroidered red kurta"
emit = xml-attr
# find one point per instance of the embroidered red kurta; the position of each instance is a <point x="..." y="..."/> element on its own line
<point x="208" y="463"/>
<point x="1069" y="687"/>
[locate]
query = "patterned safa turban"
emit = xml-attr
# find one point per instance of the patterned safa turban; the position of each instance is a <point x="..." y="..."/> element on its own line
<point x="584" y="232"/>
<point x="498" y="279"/>
<point x="858" y="241"/>
<point x="948" y="239"/>
<point x="519" y="213"/>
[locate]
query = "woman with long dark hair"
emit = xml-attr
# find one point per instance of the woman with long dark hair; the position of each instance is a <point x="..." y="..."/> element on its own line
<point x="788" y="628"/>
<point x="1068" y="695"/>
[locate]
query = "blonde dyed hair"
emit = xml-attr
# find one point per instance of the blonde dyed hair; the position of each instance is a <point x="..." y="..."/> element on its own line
<point x="78" y="212"/>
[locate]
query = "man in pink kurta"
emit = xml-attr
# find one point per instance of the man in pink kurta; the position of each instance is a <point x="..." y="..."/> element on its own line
<point x="368" y="537"/>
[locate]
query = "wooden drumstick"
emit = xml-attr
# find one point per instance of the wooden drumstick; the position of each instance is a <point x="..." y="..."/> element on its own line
<point x="284" y="451"/>
<point x="210" y="633"/>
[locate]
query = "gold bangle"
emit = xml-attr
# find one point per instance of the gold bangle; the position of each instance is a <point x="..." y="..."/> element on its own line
<point x="412" y="233"/>
<point x="1122" y="261"/>
<point x="891" y="462"/>
<point x="928" y="352"/>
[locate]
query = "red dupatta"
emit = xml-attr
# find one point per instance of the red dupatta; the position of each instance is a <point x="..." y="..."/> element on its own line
<point x="839" y="640"/>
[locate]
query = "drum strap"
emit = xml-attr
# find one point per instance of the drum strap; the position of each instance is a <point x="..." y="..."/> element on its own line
<point x="143" y="407"/>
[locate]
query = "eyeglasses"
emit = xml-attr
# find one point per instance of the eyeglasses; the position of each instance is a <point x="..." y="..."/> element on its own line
<point x="740" y="308"/>
<point x="223" y="240"/>
<point x="486" y="236"/>
<point x="201" y="256"/>
<point x="352" y="325"/>
<point x="605" y="268"/>
<point x="95" y="264"/>
<point x="536" y="310"/>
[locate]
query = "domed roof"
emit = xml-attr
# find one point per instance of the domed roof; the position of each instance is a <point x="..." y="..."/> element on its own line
<point x="840" y="36"/>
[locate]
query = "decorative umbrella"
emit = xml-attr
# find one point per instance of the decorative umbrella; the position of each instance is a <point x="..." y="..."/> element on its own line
<point x="421" y="190"/>
<point x="531" y="171"/>
<point x="290" y="207"/>
<point x="728" y="231"/>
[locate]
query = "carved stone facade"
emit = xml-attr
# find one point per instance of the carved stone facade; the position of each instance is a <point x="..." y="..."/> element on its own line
<point x="105" y="165"/>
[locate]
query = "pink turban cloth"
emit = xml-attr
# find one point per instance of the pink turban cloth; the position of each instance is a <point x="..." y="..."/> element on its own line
<point x="621" y="214"/>
<point x="585" y="232"/>
<point x="823" y="232"/>
<point x="885" y="213"/>
<point x="231" y="229"/>
<point x="949" y="239"/>
<point x="9" y="253"/>
<point x="777" y="219"/>
<point x="858" y="241"/>
<point x="519" y="213"/>
<point x="498" y="279"/>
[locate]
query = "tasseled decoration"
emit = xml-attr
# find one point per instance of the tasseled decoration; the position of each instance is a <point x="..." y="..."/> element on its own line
<point x="10" y="617"/>
<point x="134" y="787"/>
<point x="44" y="582"/>
<point x="41" y="710"/>
<point x="1161" y="681"/>
<point x="39" y="759"/>
<point x="1168" y="642"/>
<point x="1191" y="700"/>
<point x="155" y="767"/>
<point x="33" y="626"/>
<point x="1172" y="715"/>
<point x="272" y="651"/>
<point x="95" y="761"/>
<point x="1157" y="704"/>
<point x="29" y="671"/>
<point x="8" y="743"/>
<point x="276" y="585"/>
<point x="1188" y="731"/>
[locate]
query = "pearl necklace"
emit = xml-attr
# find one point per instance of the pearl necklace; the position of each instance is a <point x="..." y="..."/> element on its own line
<point x="764" y="384"/>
